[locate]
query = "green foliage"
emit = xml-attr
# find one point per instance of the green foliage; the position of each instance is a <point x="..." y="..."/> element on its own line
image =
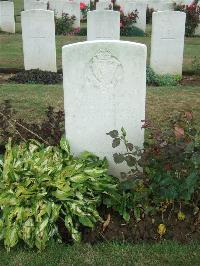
<point x="196" y="65"/>
<point x="170" y="161"/>
<point x="82" y="32"/>
<point x="132" y="31"/>
<point x="127" y="24"/>
<point x="84" y="9"/>
<point x="192" y="16"/>
<point x="36" y="76"/>
<point x="161" y="80"/>
<point x="38" y="185"/>
<point x="64" y="24"/>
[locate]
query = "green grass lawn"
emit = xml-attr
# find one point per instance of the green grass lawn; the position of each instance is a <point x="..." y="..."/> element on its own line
<point x="31" y="100"/>
<point x="11" y="53"/>
<point x="107" y="254"/>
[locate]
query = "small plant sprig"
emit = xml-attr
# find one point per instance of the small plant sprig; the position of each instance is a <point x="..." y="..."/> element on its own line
<point x="131" y="155"/>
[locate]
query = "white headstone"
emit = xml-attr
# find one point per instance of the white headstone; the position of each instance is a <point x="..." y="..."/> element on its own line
<point x="38" y="34"/>
<point x="7" y="19"/>
<point x="141" y="8"/>
<point x="167" y="42"/>
<point x="104" y="89"/>
<point x="34" y="4"/>
<point x="104" y="5"/>
<point x="160" y="5"/>
<point x="103" y="25"/>
<point x="71" y="8"/>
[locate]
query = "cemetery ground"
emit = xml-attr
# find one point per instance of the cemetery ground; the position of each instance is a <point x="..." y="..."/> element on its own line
<point x="31" y="101"/>
<point x="160" y="254"/>
<point x="11" y="52"/>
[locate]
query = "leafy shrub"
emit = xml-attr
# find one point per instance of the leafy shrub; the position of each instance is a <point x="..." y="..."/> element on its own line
<point x="36" y="76"/>
<point x="84" y="9"/>
<point x="170" y="159"/>
<point x="64" y="24"/>
<point x="49" y="131"/>
<point x="38" y="185"/>
<point x="132" y="31"/>
<point x="149" y="13"/>
<point x="82" y="32"/>
<point x="161" y="80"/>
<point x="192" y="16"/>
<point x="196" y="65"/>
<point x="126" y="22"/>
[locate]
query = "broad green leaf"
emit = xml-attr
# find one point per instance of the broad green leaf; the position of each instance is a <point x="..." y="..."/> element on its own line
<point x="64" y="144"/>
<point x="86" y="221"/>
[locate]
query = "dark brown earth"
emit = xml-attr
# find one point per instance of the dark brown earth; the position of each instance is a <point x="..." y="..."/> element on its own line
<point x="187" y="80"/>
<point x="193" y="80"/>
<point x="145" y="230"/>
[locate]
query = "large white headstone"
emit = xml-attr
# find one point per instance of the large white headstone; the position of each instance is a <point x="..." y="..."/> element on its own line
<point x="103" y="25"/>
<point x="38" y="34"/>
<point x="34" y="4"/>
<point x="104" y="89"/>
<point x="167" y="42"/>
<point x="141" y="9"/>
<point x="7" y="19"/>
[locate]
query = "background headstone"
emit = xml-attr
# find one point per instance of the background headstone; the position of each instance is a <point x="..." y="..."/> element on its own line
<point x="34" y="4"/>
<point x="160" y="5"/>
<point x="72" y="8"/>
<point x="103" y="25"/>
<point x="104" y="5"/>
<point x="104" y="89"/>
<point x="167" y="42"/>
<point x="7" y="19"/>
<point x="38" y="34"/>
<point x="141" y="7"/>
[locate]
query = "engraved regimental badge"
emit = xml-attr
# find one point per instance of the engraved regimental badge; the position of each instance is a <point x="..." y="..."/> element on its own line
<point x="104" y="70"/>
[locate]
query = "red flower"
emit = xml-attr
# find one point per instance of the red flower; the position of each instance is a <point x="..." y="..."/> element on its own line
<point x="82" y="5"/>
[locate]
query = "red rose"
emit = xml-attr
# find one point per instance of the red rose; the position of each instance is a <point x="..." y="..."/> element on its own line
<point x="82" y="5"/>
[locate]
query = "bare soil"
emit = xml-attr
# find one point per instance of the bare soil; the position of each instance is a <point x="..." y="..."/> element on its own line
<point x="193" y="80"/>
<point x="145" y="230"/>
<point x="187" y="80"/>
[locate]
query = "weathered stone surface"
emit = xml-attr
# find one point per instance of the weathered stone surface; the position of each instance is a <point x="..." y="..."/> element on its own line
<point x="104" y="89"/>
<point x="167" y="42"/>
<point x="7" y="19"/>
<point x="103" y="25"/>
<point x="38" y="34"/>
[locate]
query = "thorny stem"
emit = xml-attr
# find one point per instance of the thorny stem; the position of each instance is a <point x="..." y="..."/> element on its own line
<point x="12" y="126"/>
<point x="33" y="133"/>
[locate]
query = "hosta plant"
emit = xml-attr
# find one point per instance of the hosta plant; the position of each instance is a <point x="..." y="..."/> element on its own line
<point x="40" y="184"/>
